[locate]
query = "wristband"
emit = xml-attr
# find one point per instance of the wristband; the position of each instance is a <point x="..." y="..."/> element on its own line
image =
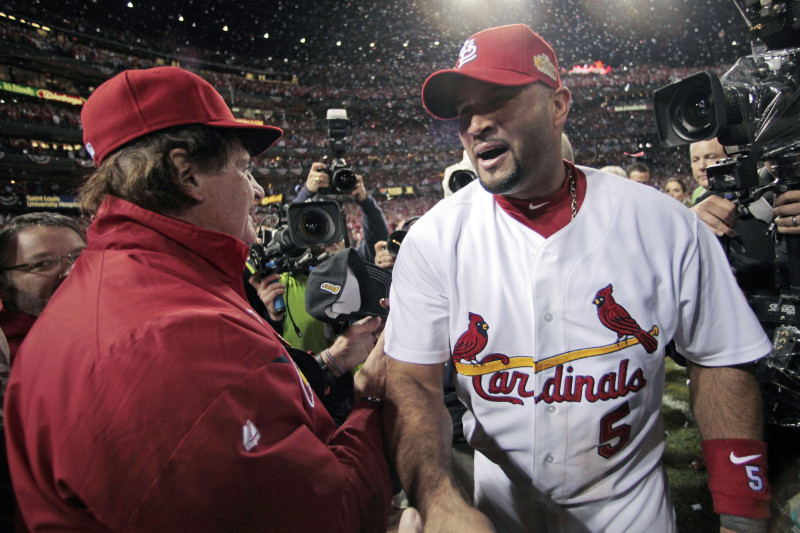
<point x="333" y="363"/>
<point x="737" y="476"/>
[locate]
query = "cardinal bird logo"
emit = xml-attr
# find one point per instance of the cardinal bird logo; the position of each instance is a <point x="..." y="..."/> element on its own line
<point x="617" y="319"/>
<point x="472" y="341"/>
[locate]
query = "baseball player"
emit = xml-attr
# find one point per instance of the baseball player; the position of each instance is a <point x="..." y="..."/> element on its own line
<point x="554" y="290"/>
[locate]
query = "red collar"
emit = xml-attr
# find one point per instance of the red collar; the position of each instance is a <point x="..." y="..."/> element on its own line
<point x="548" y="215"/>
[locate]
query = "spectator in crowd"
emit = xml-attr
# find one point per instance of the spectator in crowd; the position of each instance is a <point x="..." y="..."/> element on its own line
<point x="523" y="370"/>
<point x="37" y="251"/>
<point x="677" y="189"/>
<point x="639" y="172"/>
<point x="167" y="404"/>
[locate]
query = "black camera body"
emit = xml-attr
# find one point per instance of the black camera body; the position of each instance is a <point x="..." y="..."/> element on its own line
<point x="753" y="110"/>
<point x="300" y="228"/>
<point x="342" y="177"/>
<point x="458" y="176"/>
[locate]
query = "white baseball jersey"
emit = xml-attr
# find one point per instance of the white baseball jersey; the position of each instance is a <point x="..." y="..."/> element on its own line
<point x="564" y="384"/>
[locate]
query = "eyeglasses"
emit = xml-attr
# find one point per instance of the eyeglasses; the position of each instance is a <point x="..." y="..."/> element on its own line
<point x="45" y="265"/>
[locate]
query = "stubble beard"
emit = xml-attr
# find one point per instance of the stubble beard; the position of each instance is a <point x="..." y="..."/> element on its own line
<point x="504" y="184"/>
<point x="29" y="304"/>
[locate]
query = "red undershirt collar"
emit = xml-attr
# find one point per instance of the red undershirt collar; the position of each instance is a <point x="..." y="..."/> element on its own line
<point x="549" y="214"/>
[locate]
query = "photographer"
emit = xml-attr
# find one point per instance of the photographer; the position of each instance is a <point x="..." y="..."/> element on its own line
<point x="299" y="328"/>
<point x="373" y="224"/>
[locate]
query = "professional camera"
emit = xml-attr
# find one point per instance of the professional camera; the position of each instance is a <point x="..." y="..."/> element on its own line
<point x="754" y="111"/>
<point x="342" y="177"/>
<point x="299" y="230"/>
<point x="458" y="176"/>
<point x="397" y="236"/>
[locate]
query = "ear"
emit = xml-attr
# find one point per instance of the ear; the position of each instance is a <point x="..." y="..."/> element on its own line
<point x="185" y="173"/>
<point x="561" y="99"/>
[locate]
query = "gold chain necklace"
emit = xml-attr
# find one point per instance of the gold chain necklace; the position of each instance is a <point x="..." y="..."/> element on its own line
<point x="572" y="191"/>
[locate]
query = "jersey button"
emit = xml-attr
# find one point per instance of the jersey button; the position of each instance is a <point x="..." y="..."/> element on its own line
<point x="548" y="317"/>
<point x="551" y="408"/>
<point x="549" y="459"/>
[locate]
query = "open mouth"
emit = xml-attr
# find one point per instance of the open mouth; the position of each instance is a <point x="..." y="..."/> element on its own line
<point x="492" y="153"/>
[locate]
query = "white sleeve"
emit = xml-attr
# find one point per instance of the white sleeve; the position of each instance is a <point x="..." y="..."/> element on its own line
<point x="716" y="326"/>
<point x="418" y="323"/>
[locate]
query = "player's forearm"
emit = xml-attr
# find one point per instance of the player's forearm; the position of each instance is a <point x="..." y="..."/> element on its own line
<point x="726" y="403"/>
<point x="419" y="435"/>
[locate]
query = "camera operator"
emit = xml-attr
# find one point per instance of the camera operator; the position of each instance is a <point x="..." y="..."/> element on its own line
<point x="753" y="255"/>
<point x="300" y="329"/>
<point x="373" y="223"/>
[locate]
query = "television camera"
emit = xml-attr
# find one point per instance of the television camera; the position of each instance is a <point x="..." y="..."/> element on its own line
<point x="294" y="241"/>
<point x="754" y="111"/>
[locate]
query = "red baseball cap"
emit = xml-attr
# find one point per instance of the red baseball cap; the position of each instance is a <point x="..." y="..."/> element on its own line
<point x="137" y="102"/>
<point x="510" y="56"/>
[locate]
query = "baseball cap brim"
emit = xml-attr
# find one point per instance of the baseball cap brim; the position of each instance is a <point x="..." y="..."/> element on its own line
<point x="345" y="287"/>
<point x="256" y="138"/>
<point x="439" y="90"/>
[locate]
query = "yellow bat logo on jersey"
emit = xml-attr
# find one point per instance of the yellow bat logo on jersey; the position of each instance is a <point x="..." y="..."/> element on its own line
<point x="538" y="366"/>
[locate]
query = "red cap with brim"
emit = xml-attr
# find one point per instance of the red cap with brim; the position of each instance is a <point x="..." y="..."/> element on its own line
<point x="509" y="56"/>
<point x="137" y="102"/>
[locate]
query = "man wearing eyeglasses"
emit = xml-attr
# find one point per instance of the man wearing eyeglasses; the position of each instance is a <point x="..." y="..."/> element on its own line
<point x="37" y="251"/>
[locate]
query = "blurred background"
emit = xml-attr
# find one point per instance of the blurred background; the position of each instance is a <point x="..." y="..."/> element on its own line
<point x="285" y="63"/>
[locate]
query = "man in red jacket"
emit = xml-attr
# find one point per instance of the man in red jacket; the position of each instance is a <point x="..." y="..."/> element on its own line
<point x="149" y="396"/>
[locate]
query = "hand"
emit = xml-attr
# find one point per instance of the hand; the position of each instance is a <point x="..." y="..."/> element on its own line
<point x="269" y="288"/>
<point x="352" y="347"/>
<point x="318" y="177"/>
<point x="718" y="214"/>
<point x="370" y="380"/>
<point x="359" y="194"/>
<point x="410" y="522"/>
<point x="787" y="211"/>
<point x="382" y="256"/>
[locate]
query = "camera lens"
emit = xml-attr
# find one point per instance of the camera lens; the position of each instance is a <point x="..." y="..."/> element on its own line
<point x="344" y="180"/>
<point x="313" y="225"/>
<point x="693" y="112"/>
<point x="393" y="245"/>
<point x="460" y="179"/>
